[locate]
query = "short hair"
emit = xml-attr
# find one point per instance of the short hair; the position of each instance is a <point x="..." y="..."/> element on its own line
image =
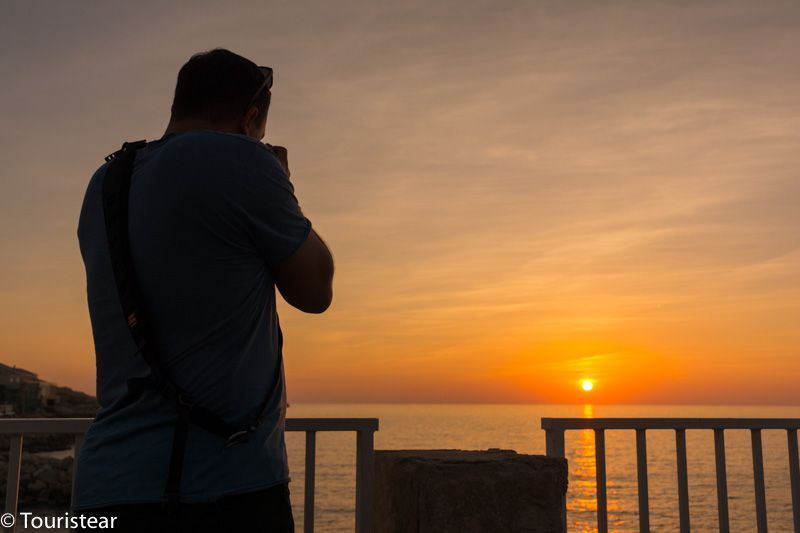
<point x="218" y="85"/>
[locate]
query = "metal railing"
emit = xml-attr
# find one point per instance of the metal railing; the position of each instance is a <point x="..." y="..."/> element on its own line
<point x="365" y="428"/>
<point x="555" y="428"/>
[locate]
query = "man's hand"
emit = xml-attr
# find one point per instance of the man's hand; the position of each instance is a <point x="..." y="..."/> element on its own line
<point x="283" y="156"/>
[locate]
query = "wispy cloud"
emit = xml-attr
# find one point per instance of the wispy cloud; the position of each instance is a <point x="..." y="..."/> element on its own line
<point x="493" y="178"/>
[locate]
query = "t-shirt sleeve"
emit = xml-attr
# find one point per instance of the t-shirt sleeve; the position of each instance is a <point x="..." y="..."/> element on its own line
<point x="270" y="210"/>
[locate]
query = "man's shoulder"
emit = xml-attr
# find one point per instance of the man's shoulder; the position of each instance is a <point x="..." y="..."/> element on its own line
<point x="95" y="182"/>
<point x="216" y="140"/>
<point x="223" y="159"/>
<point x="200" y="146"/>
<point x="212" y="152"/>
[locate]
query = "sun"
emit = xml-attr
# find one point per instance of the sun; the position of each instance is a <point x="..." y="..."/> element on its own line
<point x="587" y="385"/>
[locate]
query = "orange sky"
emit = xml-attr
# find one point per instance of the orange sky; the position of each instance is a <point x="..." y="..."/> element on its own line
<point x="518" y="195"/>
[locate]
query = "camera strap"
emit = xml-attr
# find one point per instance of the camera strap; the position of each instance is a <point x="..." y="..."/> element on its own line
<point x="116" y="190"/>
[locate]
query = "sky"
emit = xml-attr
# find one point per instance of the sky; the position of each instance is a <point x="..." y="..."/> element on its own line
<point x="518" y="195"/>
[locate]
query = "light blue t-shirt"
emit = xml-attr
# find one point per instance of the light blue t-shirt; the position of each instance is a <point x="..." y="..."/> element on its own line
<point x="209" y="214"/>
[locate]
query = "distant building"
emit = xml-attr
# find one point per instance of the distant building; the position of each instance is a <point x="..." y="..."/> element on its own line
<point x="20" y="389"/>
<point x="22" y="393"/>
<point x="48" y="394"/>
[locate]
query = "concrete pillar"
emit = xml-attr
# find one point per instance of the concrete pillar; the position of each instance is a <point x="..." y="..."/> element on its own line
<point x="440" y="491"/>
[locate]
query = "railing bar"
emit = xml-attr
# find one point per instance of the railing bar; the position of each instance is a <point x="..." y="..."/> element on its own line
<point x="641" y="468"/>
<point x="27" y="426"/>
<point x="12" y="483"/>
<point x="758" y="479"/>
<point x="365" y="469"/>
<point x="722" y="480"/>
<point x="794" y="475"/>
<point x="683" y="479"/>
<point x="670" y="423"/>
<point x="75" y="452"/>
<point x="311" y="462"/>
<point x="331" y="424"/>
<point x="600" y="459"/>
<point x="554" y="444"/>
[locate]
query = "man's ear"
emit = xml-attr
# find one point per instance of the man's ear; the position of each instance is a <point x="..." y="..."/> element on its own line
<point x="248" y="124"/>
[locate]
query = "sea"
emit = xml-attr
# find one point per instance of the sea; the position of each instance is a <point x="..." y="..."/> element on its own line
<point x="518" y="427"/>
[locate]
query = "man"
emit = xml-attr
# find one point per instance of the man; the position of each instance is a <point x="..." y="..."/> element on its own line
<point x="214" y="227"/>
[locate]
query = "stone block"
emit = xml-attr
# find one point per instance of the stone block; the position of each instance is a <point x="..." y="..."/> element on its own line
<point x="441" y="491"/>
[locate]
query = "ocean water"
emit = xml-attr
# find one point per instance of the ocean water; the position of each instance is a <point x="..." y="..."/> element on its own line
<point x="517" y="427"/>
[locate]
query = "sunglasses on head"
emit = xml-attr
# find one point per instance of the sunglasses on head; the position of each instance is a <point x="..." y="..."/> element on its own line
<point x="267" y="83"/>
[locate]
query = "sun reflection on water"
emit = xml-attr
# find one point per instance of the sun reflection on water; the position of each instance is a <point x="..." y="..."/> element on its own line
<point x="582" y="497"/>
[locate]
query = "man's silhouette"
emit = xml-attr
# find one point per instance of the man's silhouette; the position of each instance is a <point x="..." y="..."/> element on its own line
<point x="214" y="227"/>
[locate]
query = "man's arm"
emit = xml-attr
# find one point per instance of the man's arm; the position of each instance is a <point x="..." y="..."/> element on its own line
<point x="305" y="279"/>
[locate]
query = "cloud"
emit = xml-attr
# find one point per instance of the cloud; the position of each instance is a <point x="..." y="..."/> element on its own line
<point x="512" y="172"/>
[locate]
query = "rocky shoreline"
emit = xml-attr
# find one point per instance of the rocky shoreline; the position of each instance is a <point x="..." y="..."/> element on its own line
<point x="45" y="482"/>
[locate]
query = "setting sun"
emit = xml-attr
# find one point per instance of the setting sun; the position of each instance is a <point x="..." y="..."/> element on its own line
<point x="587" y="385"/>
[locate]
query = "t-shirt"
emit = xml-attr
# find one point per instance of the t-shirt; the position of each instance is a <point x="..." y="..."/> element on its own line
<point x="209" y="214"/>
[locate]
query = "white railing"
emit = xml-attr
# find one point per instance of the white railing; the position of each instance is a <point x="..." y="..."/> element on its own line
<point x="365" y="428"/>
<point x="555" y="428"/>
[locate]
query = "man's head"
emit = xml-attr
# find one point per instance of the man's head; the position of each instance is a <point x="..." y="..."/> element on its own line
<point x="220" y="90"/>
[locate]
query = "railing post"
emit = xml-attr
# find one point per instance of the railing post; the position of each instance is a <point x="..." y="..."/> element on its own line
<point x="554" y="442"/>
<point x="683" y="479"/>
<point x="600" y="468"/>
<point x="794" y="475"/>
<point x="365" y="470"/>
<point x="308" y="504"/>
<point x="758" y="481"/>
<point x="641" y="469"/>
<point x="12" y="483"/>
<point x="75" y="452"/>
<point x="722" y="480"/>
<point x="554" y="445"/>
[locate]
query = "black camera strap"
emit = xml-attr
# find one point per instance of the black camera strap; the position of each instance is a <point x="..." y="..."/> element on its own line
<point x="116" y="189"/>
